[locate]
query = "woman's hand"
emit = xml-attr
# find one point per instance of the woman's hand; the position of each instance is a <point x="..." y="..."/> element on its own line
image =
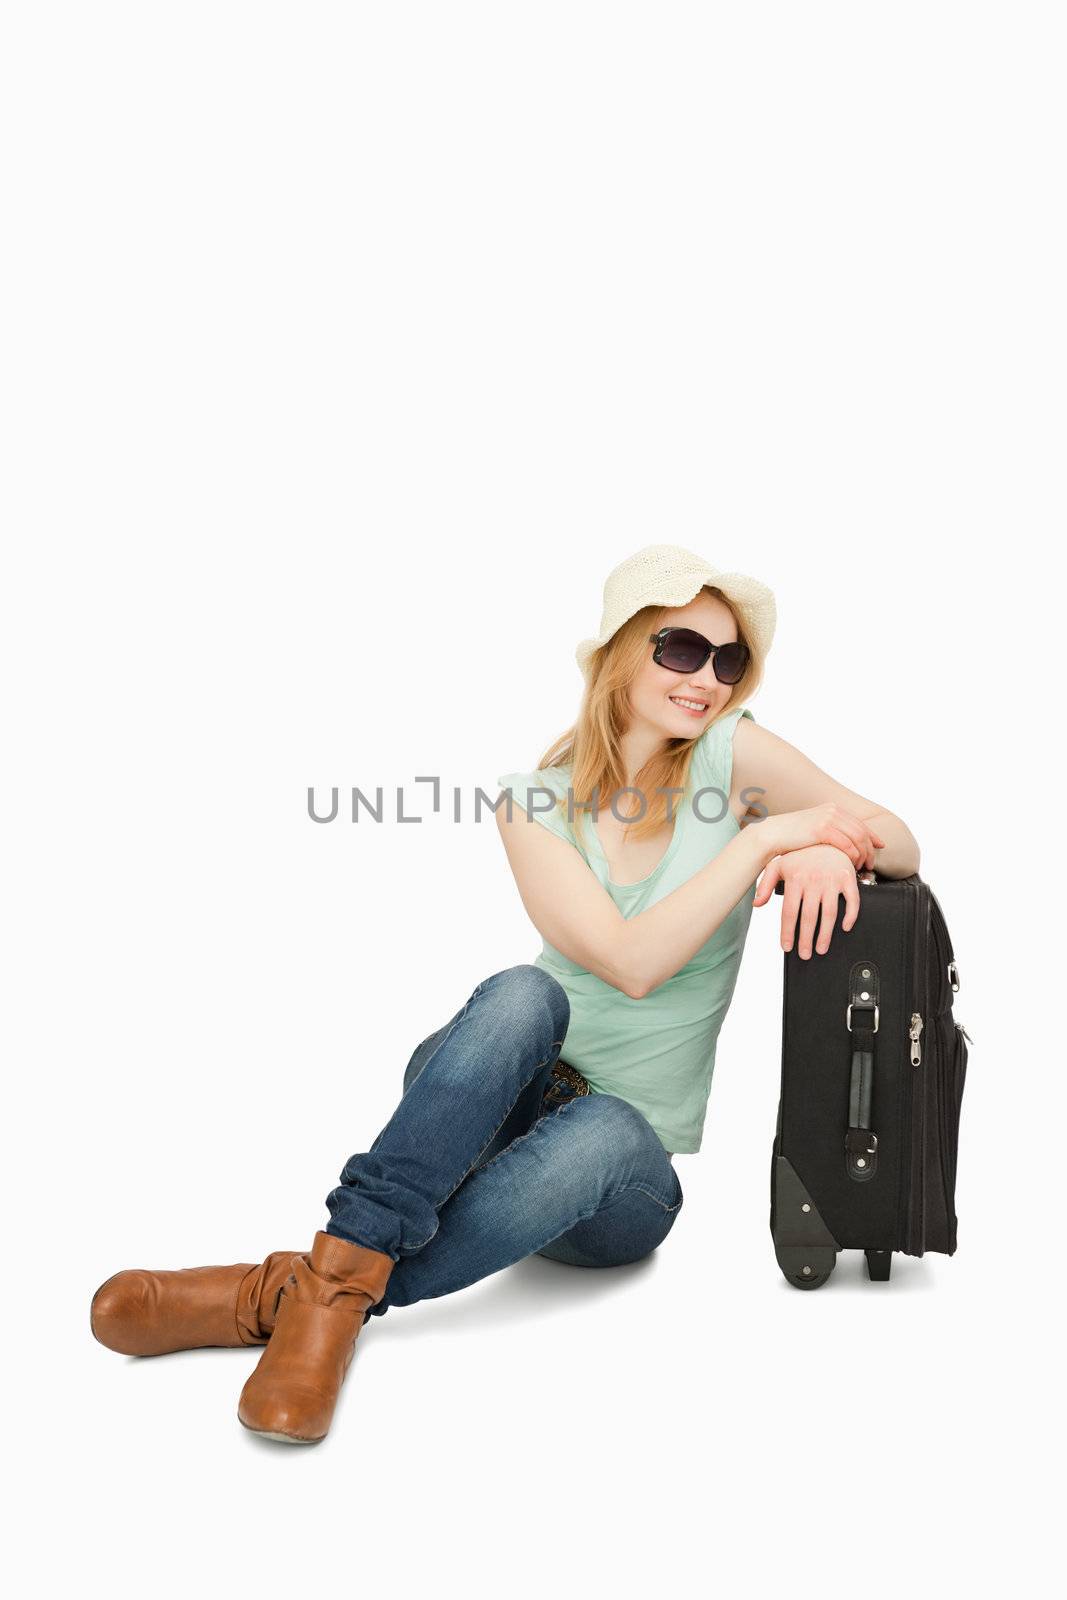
<point x="826" y="824"/>
<point x="814" y="878"/>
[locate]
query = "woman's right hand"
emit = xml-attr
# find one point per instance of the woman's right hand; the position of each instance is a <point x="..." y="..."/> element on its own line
<point x="824" y="824"/>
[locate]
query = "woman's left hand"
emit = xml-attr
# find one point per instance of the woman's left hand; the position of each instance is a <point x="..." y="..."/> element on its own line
<point x="813" y="877"/>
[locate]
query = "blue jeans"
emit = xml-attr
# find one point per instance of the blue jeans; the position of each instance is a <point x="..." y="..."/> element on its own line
<point x="487" y="1159"/>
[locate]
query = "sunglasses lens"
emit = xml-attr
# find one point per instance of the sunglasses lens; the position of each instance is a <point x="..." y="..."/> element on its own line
<point x="684" y="651"/>
<point x="730" y="662"/>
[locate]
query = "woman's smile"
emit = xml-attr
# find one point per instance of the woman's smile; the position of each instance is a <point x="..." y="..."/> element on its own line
<point x="695" y="708"/>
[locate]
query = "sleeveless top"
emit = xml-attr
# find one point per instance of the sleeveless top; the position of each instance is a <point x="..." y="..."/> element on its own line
<point x="657" y="1053"/>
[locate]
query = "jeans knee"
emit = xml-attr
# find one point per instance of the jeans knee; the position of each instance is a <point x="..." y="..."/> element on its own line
<point x="420" y="1055"/>
<point x="530" y="992"/>
<point x="556" y="1251"/>
<point x="615" y="1129"/>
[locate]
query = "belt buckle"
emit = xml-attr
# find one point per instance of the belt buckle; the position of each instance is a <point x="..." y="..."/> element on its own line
<point x="565" y="1076"/>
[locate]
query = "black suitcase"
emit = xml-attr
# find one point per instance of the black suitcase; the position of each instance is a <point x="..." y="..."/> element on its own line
<point x="873" y="1068"/>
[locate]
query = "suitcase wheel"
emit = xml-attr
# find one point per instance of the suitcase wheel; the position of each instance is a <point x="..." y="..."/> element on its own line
<point x="806" y="1266"/>
<point x="879" y="1263"/>
<point x="815" y="1281"/>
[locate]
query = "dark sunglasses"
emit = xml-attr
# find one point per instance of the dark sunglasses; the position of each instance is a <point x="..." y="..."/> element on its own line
<point x="682" y="650"/>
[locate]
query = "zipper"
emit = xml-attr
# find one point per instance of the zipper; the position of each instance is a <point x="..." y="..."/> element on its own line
<point x="966" y="1035"/>
<point x="912" y="1208"/>
<point x="913" y="1034"/>
<point x="919" y="1094"/>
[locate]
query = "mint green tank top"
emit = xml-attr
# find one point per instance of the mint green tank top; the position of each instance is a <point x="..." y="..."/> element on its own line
<point x="657" y="1053"/>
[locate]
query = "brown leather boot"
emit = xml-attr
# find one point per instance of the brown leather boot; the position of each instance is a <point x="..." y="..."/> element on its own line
<point x="141" y="1313"/>
<point x="293" y="1391"/>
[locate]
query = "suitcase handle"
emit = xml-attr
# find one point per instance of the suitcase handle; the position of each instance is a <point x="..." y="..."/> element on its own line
<point x="867" y="878"/>
<point x="861" y="1019"/>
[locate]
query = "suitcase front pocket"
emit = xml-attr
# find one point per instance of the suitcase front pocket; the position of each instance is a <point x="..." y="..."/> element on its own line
<point x="959" y="1078"/>
<point x="951" y="1073"/>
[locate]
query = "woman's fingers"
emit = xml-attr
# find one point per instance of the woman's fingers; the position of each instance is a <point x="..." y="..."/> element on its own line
<point x="809" y="915"/>
<point x="857" y="831"/>
<point x="871" y="842"/>
<point x="828" y="919"/>
<point x="844" y="842"/>
<point x="852" y="905"/>
<point x="765" y="888"/>
<point x="790" y="907"/>
<point x="866" y="841"/>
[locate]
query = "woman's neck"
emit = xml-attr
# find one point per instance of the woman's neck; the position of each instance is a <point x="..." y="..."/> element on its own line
<point x="637" y="746"/>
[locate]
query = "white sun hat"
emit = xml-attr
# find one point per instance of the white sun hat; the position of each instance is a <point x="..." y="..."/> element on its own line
<point x="668" y="575"/>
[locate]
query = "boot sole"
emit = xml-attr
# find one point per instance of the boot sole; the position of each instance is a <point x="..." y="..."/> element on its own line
<point x="282" y="1438"/>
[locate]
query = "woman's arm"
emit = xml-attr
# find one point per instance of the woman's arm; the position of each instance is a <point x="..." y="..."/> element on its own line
<point x="572" y="910"/>
<point x="813" y="879"/>
<point x="791" y="782"/>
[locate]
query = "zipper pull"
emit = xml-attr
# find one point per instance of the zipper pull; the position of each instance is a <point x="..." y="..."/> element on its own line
<point x="913" y="1034"/>
<point x="966" y="1035"/>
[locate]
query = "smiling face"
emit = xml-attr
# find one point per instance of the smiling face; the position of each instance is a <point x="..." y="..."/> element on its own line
<point x="657" y="694"/>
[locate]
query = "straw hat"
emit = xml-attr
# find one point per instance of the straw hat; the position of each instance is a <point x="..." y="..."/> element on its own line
<point x="668" y="575"/>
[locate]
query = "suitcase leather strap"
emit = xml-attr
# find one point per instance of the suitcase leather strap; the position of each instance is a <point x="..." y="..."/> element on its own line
<point x="861" y="1019"/>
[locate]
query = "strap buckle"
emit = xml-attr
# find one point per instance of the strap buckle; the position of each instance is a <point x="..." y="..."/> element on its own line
<point x="848" y="1016"/>
<point x="861" y="1142"/>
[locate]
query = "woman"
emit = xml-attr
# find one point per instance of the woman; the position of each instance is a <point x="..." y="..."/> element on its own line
<point x="500" y="1148"/>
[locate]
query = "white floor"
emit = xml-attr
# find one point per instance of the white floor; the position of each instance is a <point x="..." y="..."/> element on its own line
<point x="688" y="1422"/>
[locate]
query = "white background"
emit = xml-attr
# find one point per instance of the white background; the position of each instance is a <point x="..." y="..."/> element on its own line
<point x="327" y="323"/>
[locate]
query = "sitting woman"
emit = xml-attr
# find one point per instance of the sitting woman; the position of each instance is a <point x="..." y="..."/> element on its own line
<point x="543" y="1117"/>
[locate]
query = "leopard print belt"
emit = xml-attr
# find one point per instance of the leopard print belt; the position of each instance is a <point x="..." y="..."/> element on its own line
<point x="565" y="1077"/>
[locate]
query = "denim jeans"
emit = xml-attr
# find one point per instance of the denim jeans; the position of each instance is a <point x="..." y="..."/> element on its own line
<point x="488" y="1159"/>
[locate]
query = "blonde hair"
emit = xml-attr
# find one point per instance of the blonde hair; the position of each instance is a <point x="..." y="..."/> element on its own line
<point x="592" y="744"/>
